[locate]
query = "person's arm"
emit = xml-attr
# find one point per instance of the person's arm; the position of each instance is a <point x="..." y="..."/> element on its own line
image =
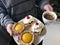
<point x="5" y="20"/>
<point x="45" y="5"/>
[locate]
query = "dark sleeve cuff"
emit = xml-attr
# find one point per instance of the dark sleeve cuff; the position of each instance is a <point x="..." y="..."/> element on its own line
<point x="9" y="22"/>
<point x="43" y="3"/>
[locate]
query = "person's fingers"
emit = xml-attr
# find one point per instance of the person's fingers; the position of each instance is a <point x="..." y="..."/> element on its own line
<point x="45" y="7"/>
<point x="48" y="8"/>
<point x="10" y="31"/>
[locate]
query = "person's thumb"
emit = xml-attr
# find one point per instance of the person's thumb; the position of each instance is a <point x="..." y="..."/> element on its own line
<point x="9" y="29"/>
<point x="10" y="32"/>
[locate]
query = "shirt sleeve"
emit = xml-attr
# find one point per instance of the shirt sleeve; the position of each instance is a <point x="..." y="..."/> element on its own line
<point x="4" y="18"/>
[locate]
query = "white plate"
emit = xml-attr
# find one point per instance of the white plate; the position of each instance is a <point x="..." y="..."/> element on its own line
<point x="37" y="40"/>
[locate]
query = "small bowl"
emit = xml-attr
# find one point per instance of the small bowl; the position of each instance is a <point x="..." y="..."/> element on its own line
<point x="50" y="13"/>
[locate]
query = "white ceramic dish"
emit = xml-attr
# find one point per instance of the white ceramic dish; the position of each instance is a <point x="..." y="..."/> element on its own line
<point x="52" y="14"/>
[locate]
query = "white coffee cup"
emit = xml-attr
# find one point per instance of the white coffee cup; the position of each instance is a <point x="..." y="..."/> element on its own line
<point x="45" y="20"/>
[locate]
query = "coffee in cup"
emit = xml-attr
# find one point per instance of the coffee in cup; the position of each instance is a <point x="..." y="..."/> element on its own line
<point x="49" y="16"/>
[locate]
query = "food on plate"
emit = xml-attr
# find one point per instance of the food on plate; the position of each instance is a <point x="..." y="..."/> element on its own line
<point x="37" y="28"/>
<point x="27" y="37"/>
<point x="28" y="20"/>
<point x="18" y="39"/>
<point x="18" y="27"/>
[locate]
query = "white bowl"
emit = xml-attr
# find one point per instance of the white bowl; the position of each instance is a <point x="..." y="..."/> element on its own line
<point x="46" y="20"/>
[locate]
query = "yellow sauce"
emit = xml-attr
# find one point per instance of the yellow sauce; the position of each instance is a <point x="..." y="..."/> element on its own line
<point x="27" y="37"/>
<point x="19" y="27"/>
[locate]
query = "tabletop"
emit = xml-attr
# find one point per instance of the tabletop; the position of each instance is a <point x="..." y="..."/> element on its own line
<point x="52" y="36"/>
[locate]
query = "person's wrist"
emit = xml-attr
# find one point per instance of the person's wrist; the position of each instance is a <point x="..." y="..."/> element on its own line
<point x="8" y="25"/>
